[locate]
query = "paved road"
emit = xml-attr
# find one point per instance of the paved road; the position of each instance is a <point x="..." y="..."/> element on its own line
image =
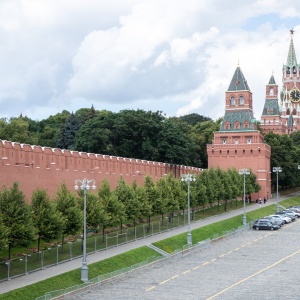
<point x="252" y="265"/>
<point x="76" y="263"/>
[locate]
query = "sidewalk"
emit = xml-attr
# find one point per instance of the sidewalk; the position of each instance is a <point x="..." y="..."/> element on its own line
<point x="40" y="275"/>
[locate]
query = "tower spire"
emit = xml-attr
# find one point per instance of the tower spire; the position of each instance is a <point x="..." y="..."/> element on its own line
<point x="291" y="59"/>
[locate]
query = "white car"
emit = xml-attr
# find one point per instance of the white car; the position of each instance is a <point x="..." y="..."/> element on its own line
<point x="284" y="218"/>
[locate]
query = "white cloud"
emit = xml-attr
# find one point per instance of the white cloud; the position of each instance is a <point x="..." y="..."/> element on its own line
<point x="174" y="56"/>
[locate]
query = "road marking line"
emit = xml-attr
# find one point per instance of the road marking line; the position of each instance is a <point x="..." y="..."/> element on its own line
<point x="175" y="276"/>
<point x="163" y="282"/>
<point x="196" y="268"/>
<point x="213" y="259"/>
<point x="206" y="263"/>
<point x="222" y="255"/>
<point x="253" y="275"/>
<point x="186" y="271"/>
<point x="151" y="288"/>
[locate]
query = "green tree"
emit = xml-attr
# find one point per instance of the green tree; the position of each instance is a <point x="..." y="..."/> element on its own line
<point x="94" y="210"/>
<point x="124" y="194"/>
<point x="134" y="203"/>
<point x="66" y="204"/>
<point x="194" y="119"/>
<point x="66" y="138"/>
<point x="51" y="127"/>
<point x="3" y="233"/>
<point x="284" y="155"/>
<point x="135" y="133"/>
<point x="174" y="143"/>
<point x="85" y="114"/>
<point x="17" y="130"/>
<point x="94" y="135"/>
<point x="236" y="183"/>
<point x="160" y="205"/>
<point x="17" y="217"/>
<point x="46" y="218"/>
<point x="114" y="210"/>
<point x="199" y="191"/>
<point x="150" y="197"/>
<point x="201" y="135"/>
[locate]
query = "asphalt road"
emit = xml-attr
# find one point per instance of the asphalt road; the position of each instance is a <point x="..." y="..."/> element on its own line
<point x="251" y="265"/>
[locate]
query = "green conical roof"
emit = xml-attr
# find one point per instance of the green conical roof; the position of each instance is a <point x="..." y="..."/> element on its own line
<point x="272" y="80"/>
<point x="238" y="82"/>
<point x="291" y="59"/>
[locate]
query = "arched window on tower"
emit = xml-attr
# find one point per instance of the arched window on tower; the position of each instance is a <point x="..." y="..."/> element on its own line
<point x="294" y="70"/>
<point x="232" y="101"/>
<point x="288" y="111"/>
<point x="294" y="111"/>
<point x="288" y="70"/>
<point x="242" y="102"/>
<point x="271" y="93"/>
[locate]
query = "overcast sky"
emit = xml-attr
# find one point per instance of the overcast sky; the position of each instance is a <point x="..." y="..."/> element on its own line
<point x="173" y="56"/>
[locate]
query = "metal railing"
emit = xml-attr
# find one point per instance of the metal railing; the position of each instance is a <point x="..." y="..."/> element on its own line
<point x="51" y="256"/>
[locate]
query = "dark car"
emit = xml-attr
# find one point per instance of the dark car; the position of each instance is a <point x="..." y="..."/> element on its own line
<point x="264" y="224"/>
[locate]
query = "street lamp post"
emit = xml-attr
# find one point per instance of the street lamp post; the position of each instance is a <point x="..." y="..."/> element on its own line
<point x="188" y="178"/>
<point x="277" y="170"/>
<point x="84" y="185"/>
<point x="244" y="172"/>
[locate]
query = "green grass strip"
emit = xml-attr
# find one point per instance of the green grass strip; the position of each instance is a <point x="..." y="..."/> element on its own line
<point x="200" y="234"/>
<point x="72" y="278"/>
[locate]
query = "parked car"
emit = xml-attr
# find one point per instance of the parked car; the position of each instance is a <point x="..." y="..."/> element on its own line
<point x="275" y="220"/>
<point x="264" y="224"/>
<point x="290" y="215"/>
<point x="285" y="218"/>
<point x="295" y="212"/>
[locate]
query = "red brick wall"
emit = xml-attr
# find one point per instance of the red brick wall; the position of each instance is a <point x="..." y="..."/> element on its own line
<point x="43" y="167"/>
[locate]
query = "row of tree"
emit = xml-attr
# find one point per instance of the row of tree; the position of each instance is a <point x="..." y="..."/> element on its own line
<point x="285" y="153"/>
<point x="48" y="219"/>
<point x="129" y="133"/>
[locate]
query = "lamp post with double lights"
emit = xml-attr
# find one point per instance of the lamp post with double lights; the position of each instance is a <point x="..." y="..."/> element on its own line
<point x="277" y="170"/>
<point x="244" y="172"/>
<point x="188" y="178"/>
<point x="84" y="185"/>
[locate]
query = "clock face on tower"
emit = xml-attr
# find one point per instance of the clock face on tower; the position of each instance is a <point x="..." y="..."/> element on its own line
<point x="295" y="95"/>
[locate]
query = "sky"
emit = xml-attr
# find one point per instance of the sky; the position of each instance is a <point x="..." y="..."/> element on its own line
<point x="173" y="56"/>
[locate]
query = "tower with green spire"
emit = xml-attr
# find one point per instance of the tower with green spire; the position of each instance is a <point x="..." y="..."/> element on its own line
<point x="271" y="114"/>
<point x="290" y="93"/>
<point x="239" y="144"/>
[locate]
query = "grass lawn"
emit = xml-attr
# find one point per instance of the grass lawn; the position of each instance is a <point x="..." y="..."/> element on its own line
<point x="138" y="255"/>
<point x="72" y="278"/>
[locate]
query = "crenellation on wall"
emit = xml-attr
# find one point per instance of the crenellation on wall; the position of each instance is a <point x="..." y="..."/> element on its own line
<point x="44" y="167"/>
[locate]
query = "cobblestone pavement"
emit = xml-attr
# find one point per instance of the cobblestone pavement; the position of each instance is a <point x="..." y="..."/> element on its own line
<point x="251" y="265"/>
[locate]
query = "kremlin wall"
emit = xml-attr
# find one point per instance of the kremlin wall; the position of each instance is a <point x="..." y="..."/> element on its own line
<point x="47" y="168"/>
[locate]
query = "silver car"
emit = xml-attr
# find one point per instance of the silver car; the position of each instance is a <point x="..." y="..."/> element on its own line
<point x="283" y="217"/>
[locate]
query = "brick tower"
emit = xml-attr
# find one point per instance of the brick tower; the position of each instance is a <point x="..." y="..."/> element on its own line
<point x="283" y="118"/>
<point x="271" y="116"/>
<point x="239" y="144"/>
